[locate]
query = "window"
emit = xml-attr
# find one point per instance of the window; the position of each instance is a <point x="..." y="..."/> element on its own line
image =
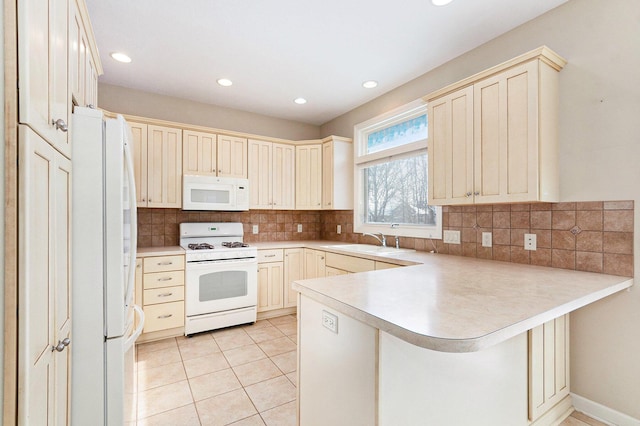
<point x="391" y="175"/>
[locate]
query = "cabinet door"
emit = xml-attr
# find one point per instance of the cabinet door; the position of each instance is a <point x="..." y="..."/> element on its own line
<point x="232" y="156"/>
<point x="44" y="311"/>
<point x="198" y="153"/>
<point x="164" y="167"/>
<point x="283" y="176"/>
<point x="506" y="136"/>
<point x="332" y="272"/>
<point x="77" y="56"/>
<point x="260" y="183"/>
<point x="138" y="295"/>
<point x="42" y="69"/>
<point x="139" y="133"/>
<point x="548" y="365"/>
<point x="314" y="264"/>
<point x="309" y="177"/>
<point x="451" y="148"/>
<point x="270" y="279"/>
<point x="293" y="270"/>
<point x="327" y="175"/>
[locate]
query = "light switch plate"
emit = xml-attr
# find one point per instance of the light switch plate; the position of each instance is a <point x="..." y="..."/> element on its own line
<point x="486" y="239"/>
<point x="451" y="237"/>
<point x="330" y="321"/>
<point x="255" y="229"/>
<point x="339" y="229"/>
<point x="299" y="227"/>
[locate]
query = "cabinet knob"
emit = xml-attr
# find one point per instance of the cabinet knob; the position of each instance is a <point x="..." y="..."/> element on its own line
<point x="60" y="124"/>
<point x="61" y="345"/>
<point x="476" y="193"/>
<point x="468" y="194"/>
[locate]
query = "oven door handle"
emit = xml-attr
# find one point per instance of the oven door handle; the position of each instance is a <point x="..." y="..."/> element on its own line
<point x="220" y="264"/>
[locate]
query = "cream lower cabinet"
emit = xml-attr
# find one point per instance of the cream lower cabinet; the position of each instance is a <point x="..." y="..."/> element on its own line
<point x="293" y="270"/>
<point x="270" y="280"/>
<point x="332" y="272"/>
<point x="162" y="295"/>
<point x="271" y="175"/>
<point x="493" y="137"/>
<point x="314" y="263"/>
<point x="157" y="164"/>
<point x="44" y="284"/>
<point x="349" y="263"/>
<point x="309" y="177"/>
<point x="549" y="375"/>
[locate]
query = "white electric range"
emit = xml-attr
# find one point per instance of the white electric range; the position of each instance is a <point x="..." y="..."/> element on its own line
<point x="221" y="287"/>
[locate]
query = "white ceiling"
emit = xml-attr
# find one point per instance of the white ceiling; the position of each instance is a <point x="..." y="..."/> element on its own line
<point x="275" y="51"/>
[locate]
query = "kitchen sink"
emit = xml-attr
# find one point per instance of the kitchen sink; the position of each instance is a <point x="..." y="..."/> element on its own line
<point x="370" y="249"/>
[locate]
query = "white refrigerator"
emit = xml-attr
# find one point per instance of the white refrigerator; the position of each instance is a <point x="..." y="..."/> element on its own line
<point x="104" y="238"/>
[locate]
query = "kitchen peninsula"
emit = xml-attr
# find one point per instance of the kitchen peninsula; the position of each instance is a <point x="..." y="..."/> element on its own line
<point x="449" y="341"/>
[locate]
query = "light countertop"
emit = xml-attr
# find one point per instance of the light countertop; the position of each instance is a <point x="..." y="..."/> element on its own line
<point x="457" y="304"/>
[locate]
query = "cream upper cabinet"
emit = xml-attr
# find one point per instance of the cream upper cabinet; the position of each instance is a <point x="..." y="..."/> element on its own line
<point x="283" y="176"/>
<point x="139" y="154"/>
<point x="493" y="136"/>
<point x="84" y="68"/>
<point x="260" y="165"/>
<point x="232" y="156"/>
<point x="271" y="175"/>
<point x="451" y="148"/>
<point x="309" y="177"/>
<point x="293" y="270"/>
<point x="43" y="70"/>
<point x="164" y="167"/>
<point x="199" y="152"/>
<point x="337" y="173"/>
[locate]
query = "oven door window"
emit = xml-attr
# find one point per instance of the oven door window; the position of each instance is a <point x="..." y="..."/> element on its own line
<point x="222" y="285"/>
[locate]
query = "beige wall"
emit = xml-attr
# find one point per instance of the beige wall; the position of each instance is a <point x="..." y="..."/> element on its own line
<point x="599" y="160"/>
<point x="145" y="104"/>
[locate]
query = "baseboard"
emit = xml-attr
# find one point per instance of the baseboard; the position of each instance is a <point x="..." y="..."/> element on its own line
<point x="600" y="412"/>
<point x="555" y="415"/>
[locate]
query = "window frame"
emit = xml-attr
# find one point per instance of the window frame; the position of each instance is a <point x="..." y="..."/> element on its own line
<point x="361" y="160"/>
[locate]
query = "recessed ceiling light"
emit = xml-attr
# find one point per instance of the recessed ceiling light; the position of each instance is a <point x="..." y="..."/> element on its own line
<point x="120" y="57"/>
<point x="370" y="84"/>
<point x="441" y="2"/>
<point x="300" y="101"/>
<point x="225" y="82"/>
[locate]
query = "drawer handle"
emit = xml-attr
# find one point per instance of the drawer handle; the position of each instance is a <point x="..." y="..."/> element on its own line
<point x="165" y="316"/>
<point x="165" y="294"/>
<point x="165" y="279"/>
<point x="269" y="255"/>
<point x="164" y="263"/>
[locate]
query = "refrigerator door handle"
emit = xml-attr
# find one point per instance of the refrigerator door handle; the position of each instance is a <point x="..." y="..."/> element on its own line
<point x="132" y="211"/>
<point x="138" y="331"/>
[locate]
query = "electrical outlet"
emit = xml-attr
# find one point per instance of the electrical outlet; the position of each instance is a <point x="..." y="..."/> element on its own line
<point x="299" y="227"/>
<point x="339" y="229"/>
<point x="486" y="239"/>
<point x="529" y="241"/>
<point x="451" y="237"/>
<point x="255" y="229"/>
<point x="330" y="321"/>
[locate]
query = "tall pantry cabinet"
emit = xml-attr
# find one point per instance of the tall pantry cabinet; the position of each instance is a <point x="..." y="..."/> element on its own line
<point x="56" y="66"/>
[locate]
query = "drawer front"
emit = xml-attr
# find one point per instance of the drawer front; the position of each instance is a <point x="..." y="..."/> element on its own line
<point x="275" y="255"/>
<point x="349" y="263"/>
<point x="163" y="279"/>
<point x="163" y="295"/>
<point x="163" y="316"/>
<point x="163" y="263"/>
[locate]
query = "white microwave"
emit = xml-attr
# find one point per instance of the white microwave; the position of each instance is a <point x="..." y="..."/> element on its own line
<point x="214" y="193"/>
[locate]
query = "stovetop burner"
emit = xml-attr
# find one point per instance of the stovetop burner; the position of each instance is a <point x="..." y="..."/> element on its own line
<point x="236" y="244"/>
<point x="200" y="246"/>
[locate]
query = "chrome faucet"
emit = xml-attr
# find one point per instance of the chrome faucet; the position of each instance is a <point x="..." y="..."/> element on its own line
<point x="382" y="238"/>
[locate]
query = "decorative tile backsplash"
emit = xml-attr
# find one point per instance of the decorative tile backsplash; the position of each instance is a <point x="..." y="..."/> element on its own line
<point x="585" y="236"/>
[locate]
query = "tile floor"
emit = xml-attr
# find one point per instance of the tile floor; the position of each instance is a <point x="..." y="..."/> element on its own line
<point x="244" y="375"/>
<point x="579" y="419"/>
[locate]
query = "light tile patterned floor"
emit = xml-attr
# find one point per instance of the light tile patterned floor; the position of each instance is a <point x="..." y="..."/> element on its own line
<point x="240" y="376"/>
<point x="579" y="419"/>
